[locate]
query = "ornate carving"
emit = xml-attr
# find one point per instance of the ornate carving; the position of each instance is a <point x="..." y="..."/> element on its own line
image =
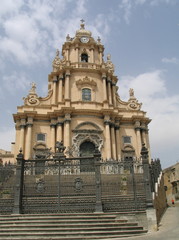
<point x="79" y="138"/>
<point x="133" y="102"/>
<point x="86" y="82"/>
<point x="32" y="98"/>
<point x="78" y="184"/>
<point x="57" y="62"/>
<point x="109" y="64"/>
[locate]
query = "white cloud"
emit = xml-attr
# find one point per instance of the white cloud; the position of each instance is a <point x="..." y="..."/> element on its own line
<point x="7" y="136"/>
<point x="9" y="7"/>
<point x="15" y="82"/>
<point x="163" y="109"/>
<point x="128" y="6"/>
<point x="170" y="60"/>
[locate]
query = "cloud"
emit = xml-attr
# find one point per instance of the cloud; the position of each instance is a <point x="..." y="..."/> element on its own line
<point x="6" y="134"/>
<point x="28" y="36"/>
<point x="14" y="82"/>
<point x="170" y="60"/>
<point x="128" y="6"/>
<point x="162" y="108"/>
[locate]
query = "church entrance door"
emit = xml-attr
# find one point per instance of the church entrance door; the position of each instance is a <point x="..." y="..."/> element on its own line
<point x="87" y="150"/>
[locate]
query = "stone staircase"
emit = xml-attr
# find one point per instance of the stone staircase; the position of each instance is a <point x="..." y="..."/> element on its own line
<point x="67" y="226"/>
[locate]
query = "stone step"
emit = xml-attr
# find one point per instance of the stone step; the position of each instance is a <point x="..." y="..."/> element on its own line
<point x="47" y="224"/>
<point x="67" y="226"/>
<point x="70" y="235"/>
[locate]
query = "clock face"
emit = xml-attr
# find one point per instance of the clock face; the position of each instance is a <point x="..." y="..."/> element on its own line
<point x="84" y="39"/>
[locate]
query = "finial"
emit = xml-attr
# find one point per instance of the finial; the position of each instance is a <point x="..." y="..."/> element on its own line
<point x="108" y="57"/>
<point x="82" y="24"/>
<point x="68" y="37"/>
<point x="131" y="92"/>
<point x="57" y="52"/>
<point x="33" y="88"/>
<point x="99" y="39"/>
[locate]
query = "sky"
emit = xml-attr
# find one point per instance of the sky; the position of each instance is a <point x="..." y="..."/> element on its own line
<point x="142" y="37"/>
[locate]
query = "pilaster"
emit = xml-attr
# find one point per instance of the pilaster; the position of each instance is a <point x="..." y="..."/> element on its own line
<point x="107" y="138"/>
<point x="113" y="141"/>
<point x="67" y="130"/>
<point x="109" y="91"/>
<point x="28" y="138"/>
<point x="60" y="88"/>
<point x="118" y="145"/>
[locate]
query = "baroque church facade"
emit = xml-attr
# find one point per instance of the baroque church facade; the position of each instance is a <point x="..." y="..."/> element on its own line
<point x="82" y="108"/>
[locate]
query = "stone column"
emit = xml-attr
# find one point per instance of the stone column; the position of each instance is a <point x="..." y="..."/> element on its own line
<point x="54" y="97"/>
<point x="108" y="139"/>
<point x="113" y="142"/>
<point x="59" y="131"/>
<point x="138" y="136"/>
<point x="29" y="139"/>
<point x="67" y="87"/>
<point x="104" y="88"/>
<point x="100" y="56"/>
<point x="22" y="134"/>
<point x="52" y="136"/>
<point x="92" y="55"/>
<point x="143" y="130"/>
<point x="109" y="91"/>
<point x="67" y="53"/>
<point x="77" y="55"/>
<point x="67" y="130"/>
<point x="60" y="88"/>
<point x="114" y="93"/>
<point x="118" y="144"/>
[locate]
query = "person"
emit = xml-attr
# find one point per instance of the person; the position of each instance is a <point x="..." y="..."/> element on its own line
<point x="173" y="202"/>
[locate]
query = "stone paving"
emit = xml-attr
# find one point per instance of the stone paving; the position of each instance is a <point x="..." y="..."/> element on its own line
<point x="168" y="228"/>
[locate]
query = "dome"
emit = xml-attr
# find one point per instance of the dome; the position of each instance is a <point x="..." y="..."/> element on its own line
<point x="82" y="31"/>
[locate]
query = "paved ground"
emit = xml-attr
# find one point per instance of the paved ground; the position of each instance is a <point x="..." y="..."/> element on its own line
<point x="168" y="229"/>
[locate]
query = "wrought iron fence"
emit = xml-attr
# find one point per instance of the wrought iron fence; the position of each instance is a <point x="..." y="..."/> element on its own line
<point x="7" y="178"/>
<point x="55" y="183"/>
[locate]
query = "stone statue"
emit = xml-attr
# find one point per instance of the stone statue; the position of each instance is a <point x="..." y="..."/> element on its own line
<point x="131" y="92"/>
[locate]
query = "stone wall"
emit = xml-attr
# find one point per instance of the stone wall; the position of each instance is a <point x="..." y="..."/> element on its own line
<point x="160" y="202"/>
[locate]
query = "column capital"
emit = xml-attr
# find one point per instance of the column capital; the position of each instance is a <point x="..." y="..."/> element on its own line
<point x="117" y="127"/>
<point x="52" y="125"/>
<point x="59" y="123"/>
<point x="60" y="77"/>
<point x="67" y="120"/>
<point x="107" y="122"/>
<point x="112" y="125"/>
<point x="55" y="79"/>
<point x="67" y="74"/>
<point x="29" y="124"/>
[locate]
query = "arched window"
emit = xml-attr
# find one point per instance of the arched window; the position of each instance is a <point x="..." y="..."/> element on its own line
<point x="84" y="57"/>
<point x="86" y="94"/>
<point x="41" y="137"/>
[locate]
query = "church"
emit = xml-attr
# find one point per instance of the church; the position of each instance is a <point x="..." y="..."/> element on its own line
<point x="83" y="108"/>
<point x="83" y="150"/>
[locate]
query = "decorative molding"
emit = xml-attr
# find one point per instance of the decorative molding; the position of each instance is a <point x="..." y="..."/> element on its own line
<point x="133" y="102"/>
<point x="86" y="82"/>
<point x="87" y="123"/>
<point x="80" y="138"/>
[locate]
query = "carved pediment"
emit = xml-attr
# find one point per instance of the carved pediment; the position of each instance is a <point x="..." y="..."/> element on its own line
<point x="86" y="82"/>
